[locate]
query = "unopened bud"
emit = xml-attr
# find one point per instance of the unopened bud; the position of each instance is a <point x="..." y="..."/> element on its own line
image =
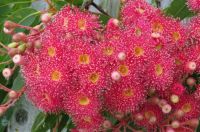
<point x="7" y="72"/>
<point x="18" y="59"/>
<point x="37" y="44"/>
<point x="174" y="98"/>
<point x="121" y="56"/>
<point x="169" y="129"/>
<point x="9" y="25"/>
<point x="107" y="124"/>
<point x="22" y="48"/>
<point x="45" y="18"/>
<point x="191" y="66"/>
<point x="166" y="109"/>
<point x="179" y="114"/>
<point x="139" y="117"/>
<point x="12" y="94"/>
<point x="13" y="51"/>
<point x="152" y="120"/>
<point x="19" y="37"/>
<point x="8" y="31"/>
<point x="175" y="124"/>
<point x="162" y="103"/>
<point x="13" y="45"/>
<point x="191" y="81"/>
<point x="115" y="75"/>
<point x="154" y="100"/>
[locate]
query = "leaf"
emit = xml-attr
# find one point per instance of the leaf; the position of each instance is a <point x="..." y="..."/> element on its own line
<point x="44" y="122"/>
<point x="17" y="84"/>
<point x="63" y="122"/>
<point x="104" y="18"/>
<point x="179" y="9"/>
<point x="25" y="16"/>
<point x="40" y="119"/>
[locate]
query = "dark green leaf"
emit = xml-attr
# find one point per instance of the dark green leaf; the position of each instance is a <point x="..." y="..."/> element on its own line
<point x="104" y="18"/>
<point x="44" y="122"/>
<point x="179" y="9"/>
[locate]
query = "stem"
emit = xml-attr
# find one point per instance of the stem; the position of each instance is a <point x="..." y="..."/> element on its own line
<point x="100" y="9"/>
<point x="4" y="88"/>
<point x="87" y="4"/>
<point x="5" y="47"/>
<point x="6" y="62"/>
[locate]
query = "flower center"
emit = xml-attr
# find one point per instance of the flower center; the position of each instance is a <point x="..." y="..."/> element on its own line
<point x="157" y="27"/>
<point x="94" y="77"/>
<point x="187" y="107"/>
<point x="51" y="51"/>
<point x="84" y="101"/>
<point x="108" y="51"/>
<point x="123" y="70"/>
<point x="176" y="36"/>
<point x="138" y="32"/>
<point x="82" y="24"/>
<point x="56" y="75"/>
<point x="128" y="92"/>
<point x="158" y="70"/>
<point x="84" y="59"/>
<point x="138" y="51"/>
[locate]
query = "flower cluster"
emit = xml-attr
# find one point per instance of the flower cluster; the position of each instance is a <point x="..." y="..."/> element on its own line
<point x="194" y="5"/>
<point x="143" y="69"/>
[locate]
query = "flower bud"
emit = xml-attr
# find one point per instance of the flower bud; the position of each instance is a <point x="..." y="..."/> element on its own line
<point x="9" y="25"/>
<point x="13" y="51"/>
<point x="13" y="45"/>
<point x="12" y="94"/>
<point x="179" y="114"/>
<point x="37" y="44"/>
<point x="174" y="98"/>
<point x="152" y="120"/>
<point x="191" y="66"/>
<point x="169" y="129"/>
<point x="7" y="72"/>
<point x="22" y="48"/>
<point x="18" y="59"/>
<point x="121" y="56"/>
<point x="166" y="109"/>
<point x="115" y="75"/>
<point x="162" y="102"/>
<point x="8" y="31"/>
<point x="19" y="37"/>
<point x="45" y="18"/>
<point x="107" y="124"/>
<point x="191" y="81"/>
<point x="175" y="124"/>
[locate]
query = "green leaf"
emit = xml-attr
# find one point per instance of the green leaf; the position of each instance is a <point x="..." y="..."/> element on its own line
<point x="44" y="122"/>
<point x="104" y="18"/>
<point x="40" y="119"/>
<point x="25" y="16"/>
<point x="17" y="84"/>
<point x="179" y="9"/>
<point x="63" y="122"/>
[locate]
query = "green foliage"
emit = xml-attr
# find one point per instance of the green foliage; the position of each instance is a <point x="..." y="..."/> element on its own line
<point x="179" y="9"/>
<point x="20" y="11"/>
